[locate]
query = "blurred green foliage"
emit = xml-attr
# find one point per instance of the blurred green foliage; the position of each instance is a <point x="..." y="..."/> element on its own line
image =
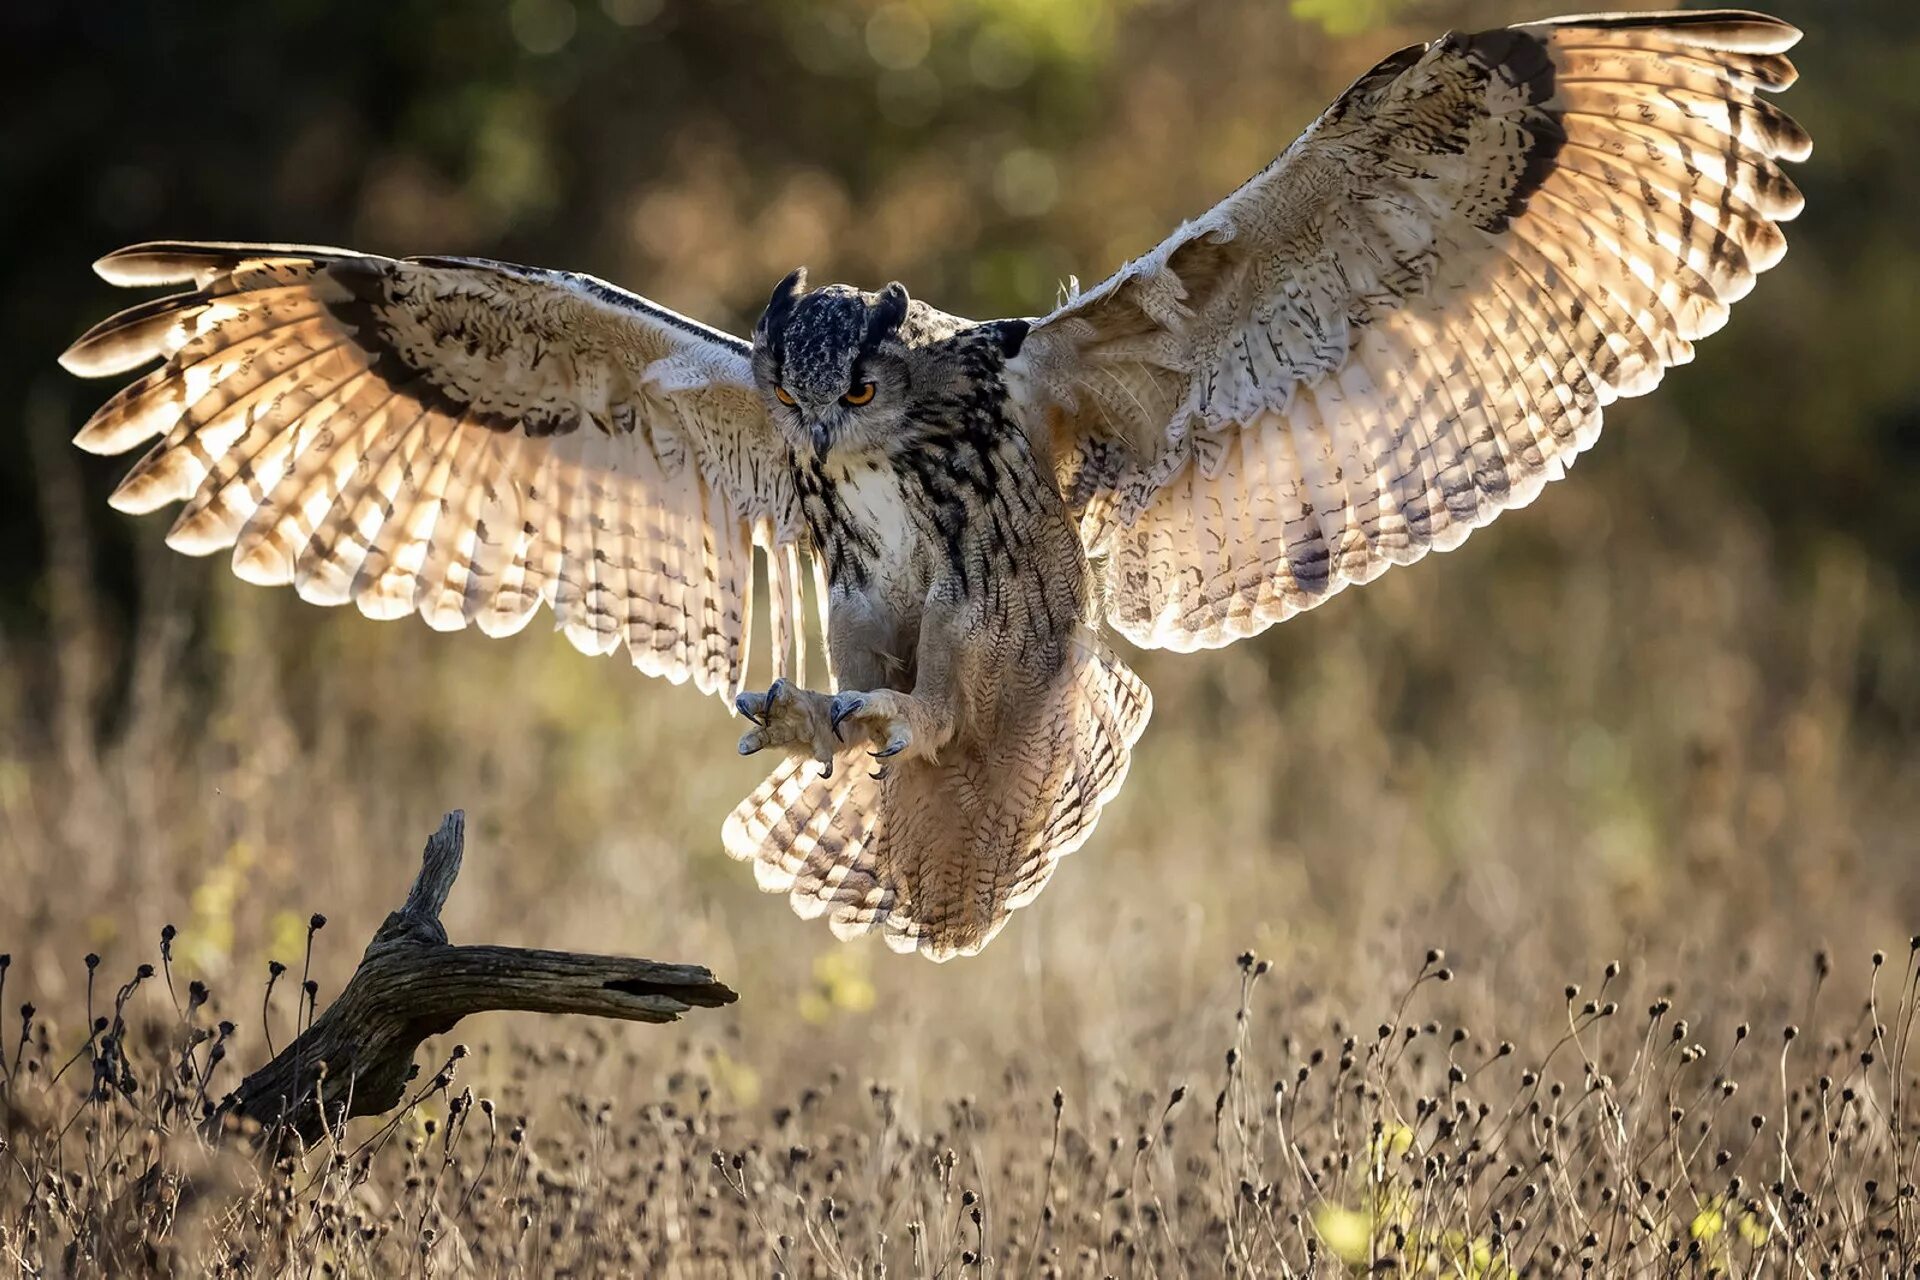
<point x="1349" y="17"/>
<point x="980" y="150"/>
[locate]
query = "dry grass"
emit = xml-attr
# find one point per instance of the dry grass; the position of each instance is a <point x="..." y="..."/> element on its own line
<point x="1631" y="1141"/>
<point x="1589" y="737"/>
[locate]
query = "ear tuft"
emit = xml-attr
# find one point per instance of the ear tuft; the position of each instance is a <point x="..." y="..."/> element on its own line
<point x="785" y="294"/>
<point x="889" y="310"/>
<point x="1010" y="334"/>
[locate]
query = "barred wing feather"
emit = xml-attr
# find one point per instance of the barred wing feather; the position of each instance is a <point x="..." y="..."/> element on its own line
<point x="1412" y="320"/>
<point x="457" y="438"/>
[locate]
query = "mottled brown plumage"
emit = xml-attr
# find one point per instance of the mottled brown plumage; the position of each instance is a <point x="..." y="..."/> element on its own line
<point x="1406" y="324"/>
<point x="959" y="627"/>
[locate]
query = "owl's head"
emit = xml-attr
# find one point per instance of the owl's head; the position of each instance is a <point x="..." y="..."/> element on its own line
<point x="846" y="372"/>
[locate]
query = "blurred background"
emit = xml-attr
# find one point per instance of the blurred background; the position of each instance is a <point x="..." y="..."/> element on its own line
<point x="1666" y="715"/>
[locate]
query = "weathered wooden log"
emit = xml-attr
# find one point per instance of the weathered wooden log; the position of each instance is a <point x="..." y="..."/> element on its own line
<point x="412" y="983"/>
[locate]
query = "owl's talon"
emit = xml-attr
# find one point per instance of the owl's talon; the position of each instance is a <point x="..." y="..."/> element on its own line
<point x="880" y="774"/>
<point x="883" y="717"/>
<point x="790" y="717"/>
<point x="759" y="707"/>
<point x="843" y="705"/>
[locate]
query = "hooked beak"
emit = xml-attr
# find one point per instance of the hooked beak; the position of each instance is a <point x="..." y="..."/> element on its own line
<point x="819" y="442"/>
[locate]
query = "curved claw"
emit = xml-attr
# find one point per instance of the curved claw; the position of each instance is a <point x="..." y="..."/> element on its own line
<point x="843" y="706"/>
<point x="893" y="748"/>
<point x="826" y="768"/>
<point x="758" y="707"/>
<point x="880" y="774"/>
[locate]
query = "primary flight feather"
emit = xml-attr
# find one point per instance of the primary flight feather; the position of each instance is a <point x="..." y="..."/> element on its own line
<point x="1407" y="323"/>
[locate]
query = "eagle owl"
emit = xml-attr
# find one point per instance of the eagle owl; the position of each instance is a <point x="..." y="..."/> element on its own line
<point x="1407" y="323"/>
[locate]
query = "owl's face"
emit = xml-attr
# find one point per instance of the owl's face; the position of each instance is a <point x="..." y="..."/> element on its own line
<point x="841" y="370"/>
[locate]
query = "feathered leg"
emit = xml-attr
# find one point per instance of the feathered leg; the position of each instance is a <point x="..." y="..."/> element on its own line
<point x="912" y="725"/>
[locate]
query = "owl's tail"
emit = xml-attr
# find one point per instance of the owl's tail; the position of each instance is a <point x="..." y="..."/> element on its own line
<point x="938" y="855"/>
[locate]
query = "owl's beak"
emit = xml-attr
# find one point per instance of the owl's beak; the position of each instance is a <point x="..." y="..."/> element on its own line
<point x="819" y="442"/>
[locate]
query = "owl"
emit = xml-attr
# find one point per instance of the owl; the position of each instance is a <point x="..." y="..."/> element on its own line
<point x="1409" y="322"/>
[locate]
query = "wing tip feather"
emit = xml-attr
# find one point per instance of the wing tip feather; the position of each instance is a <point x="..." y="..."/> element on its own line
<point x="82" y="361"/>
<point x="119" y="344"/>
<point x="199" y="533"/>
<point x="260" y="563"/>
<point x="121" y="424"/>
<point x="162" y="262"/>
<point x="1730" y="30"/>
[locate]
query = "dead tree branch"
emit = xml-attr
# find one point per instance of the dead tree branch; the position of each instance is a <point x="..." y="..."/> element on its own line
<point x="412" y="983"/>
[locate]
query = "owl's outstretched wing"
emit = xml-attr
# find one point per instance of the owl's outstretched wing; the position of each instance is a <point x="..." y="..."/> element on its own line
<point x="459" y="438"/>
<point x="1411" y="320"/>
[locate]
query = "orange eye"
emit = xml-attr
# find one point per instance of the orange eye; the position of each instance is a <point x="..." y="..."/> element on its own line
<point x="780" y="394"/>
<point x="859" y="395"/>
